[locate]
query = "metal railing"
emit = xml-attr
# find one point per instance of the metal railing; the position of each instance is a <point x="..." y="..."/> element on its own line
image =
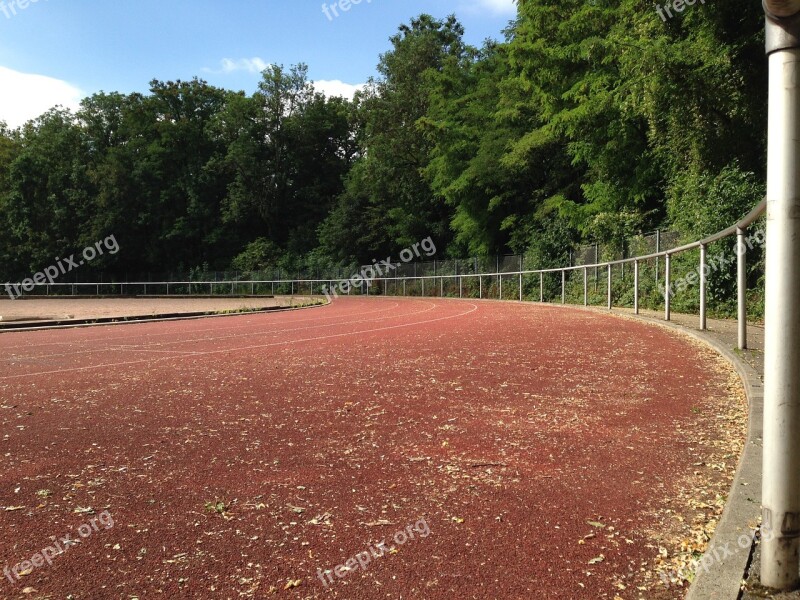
<point x="455" y="285"/>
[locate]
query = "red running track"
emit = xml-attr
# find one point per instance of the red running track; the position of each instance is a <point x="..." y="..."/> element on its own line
<point x="505" y="427"/>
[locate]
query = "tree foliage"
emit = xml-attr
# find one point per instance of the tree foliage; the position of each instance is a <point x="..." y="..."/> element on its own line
<point x="590" y="121"/>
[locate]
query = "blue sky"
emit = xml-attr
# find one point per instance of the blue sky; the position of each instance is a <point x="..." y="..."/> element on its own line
<point x="55" y="51"/>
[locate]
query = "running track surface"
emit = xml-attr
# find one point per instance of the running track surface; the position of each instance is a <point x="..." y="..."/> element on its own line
<point x="506" y="427"/>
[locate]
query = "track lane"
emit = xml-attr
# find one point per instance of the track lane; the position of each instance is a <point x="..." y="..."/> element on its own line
<point x="507" y="427"/>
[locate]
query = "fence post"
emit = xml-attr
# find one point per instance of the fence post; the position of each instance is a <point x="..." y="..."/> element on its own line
<point x="609" y="287"/>
<point x="585" y="286"/>
<point x="636" y="287"/>
<point x="480" y="287"/>
<point x="667" y="290"/>
<point x="741" y="287"/>
<point x="596" y="260"/>
<point x="460" y="287"/>
<point x="563" y="287"/>
<point x="703" y="286"/>
<point x="520" y="286"/>
<point x="423" y="286"/>
<point x="500" y="277"/>
<point x="541" y="287"/>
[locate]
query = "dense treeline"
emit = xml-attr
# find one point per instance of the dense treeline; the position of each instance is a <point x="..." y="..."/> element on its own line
<point x="592" y="120"/>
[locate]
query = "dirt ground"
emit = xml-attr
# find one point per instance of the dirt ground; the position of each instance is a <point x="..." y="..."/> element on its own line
<point x="78" y="309"/>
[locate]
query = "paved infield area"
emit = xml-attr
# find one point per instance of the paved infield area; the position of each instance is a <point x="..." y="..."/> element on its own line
<point x="538" y="451"/>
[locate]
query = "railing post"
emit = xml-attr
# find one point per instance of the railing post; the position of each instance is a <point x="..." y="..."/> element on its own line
<point x="520" y="287"/>
<point x="563" y="287"/>
<point x="585" y="286"/>
<point x="460" y="287"/>
<point x="423" y="286"/>
<point x="541" y="287"/>
<point x="658" y="250"/>
<point x="441" y="287"/>
<point x="480" y="287"/>
<point x="741" y="286"/>
<point x="404" y="288"/>
<point x="636" y="287"/>
<point x="703" y="285"/>
<point x="609" y="287"/>
<point x="500" y="277"/>
<point x="667" y="290"/>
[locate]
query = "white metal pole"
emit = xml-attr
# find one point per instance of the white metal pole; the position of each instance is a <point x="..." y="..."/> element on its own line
<point x="520" y="287"/>
<point x="703" y="286"/>
<point x="609" y="287"/>
<point x="667" y="290"/>
<point x="636" y="287"/>
<point x="563" y="287"/>
<point x="780" y="498"/>
<point x="500" y="277"/>
<point x="585" y="286"/>
<point x="741" y="291"/>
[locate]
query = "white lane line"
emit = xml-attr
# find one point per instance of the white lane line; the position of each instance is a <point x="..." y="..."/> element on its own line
<point x="242" y="348"/>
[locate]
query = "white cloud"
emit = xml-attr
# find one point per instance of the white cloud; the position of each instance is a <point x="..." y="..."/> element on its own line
<point x="25" y="96"/>
<point x="230" y="65"/>
<point x="496" y="7"/>
<point x="334" y="87"/>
